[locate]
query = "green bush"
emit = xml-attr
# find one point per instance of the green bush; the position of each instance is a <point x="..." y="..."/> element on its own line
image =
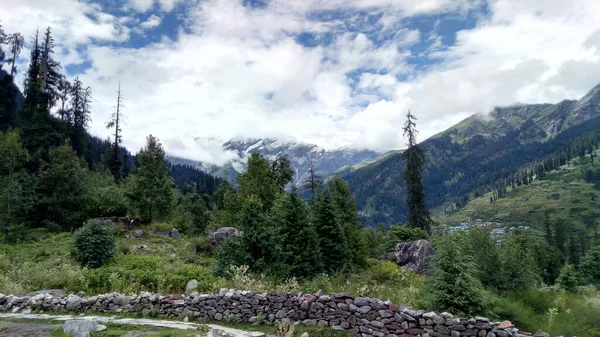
<point x="568" y="279"/>
<point x="385" y="271"/>
<point x="590" y="265"/>
<point x="94" y="245"/>
<point x="202" y="245"/>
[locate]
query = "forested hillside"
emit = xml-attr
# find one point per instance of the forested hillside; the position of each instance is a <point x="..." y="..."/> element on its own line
<point x="55" y="175"/>
<point x="480" y="154"/>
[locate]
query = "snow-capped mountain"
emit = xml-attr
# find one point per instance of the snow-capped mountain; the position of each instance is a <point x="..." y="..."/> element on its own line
<point x="326" y="162"/>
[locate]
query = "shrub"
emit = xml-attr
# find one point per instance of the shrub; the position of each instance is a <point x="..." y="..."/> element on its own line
<point x="385" y="271"/>
<point x="568" y="279"/>
<point x="202" y="245"/>
<point x="590" y="265"/>
<point x="94" y="245"/>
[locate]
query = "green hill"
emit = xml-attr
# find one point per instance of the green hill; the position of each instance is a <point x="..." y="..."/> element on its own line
<point x="562" y="193"/>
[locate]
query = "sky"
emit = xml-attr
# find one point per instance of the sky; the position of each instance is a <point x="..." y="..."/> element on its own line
<point x="334" y="73"/>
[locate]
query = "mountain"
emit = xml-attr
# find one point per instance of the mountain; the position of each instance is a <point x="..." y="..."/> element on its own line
<point x="326" y="162"/>
<point x="471" y="157"/>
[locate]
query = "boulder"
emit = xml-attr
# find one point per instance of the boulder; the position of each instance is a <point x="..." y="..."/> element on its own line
<point x="191" y="286"/>
<point x="79" y="327"/>
<point x="73" y="302"/>
<point x="51" y="292"/>
<point x="174" y="233"/>
<point x="217" y="237"/>
<point x="414" y="255"/>
<point x="541" y="333"/>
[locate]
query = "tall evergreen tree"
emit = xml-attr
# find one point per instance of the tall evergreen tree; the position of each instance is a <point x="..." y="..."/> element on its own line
<point x="258" y="180"/>
<point x="115" y="165"/>
<point x="282" y="172"/>
<point x="50" y="75"/>
<point x="15" y="45"/>
<point x="418" y="216"/>
<point x="332" y="239"/>
<point x="81" y="98"/>
<point x="313" y="181"/>
<point x="453" y="285"/>
<point x="291" y="216"/>
<point x="258" y="246"/>
<point x="3" y="40"/>
<point x="345" y="205"/>
<point x="65" y="113"/>
<point x="149" y="187"/>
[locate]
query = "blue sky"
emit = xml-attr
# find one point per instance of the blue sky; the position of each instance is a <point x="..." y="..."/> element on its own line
<point x="330" y="72"/>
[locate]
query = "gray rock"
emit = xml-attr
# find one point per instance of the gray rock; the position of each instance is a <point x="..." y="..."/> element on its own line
<point x="52" y="292"/>
<point x="361" y="301"/>
<point x="73" y="302"/>
<point x="304" y="334"/>
<point x="79" y="327"/>
<point x="541" y="333"/>
<point x="364" y="309"/>
<point x="217" y="237"/>
<point x="100" y="327"/>
<point x="414" y="255"/>
<point x="138" y="233"/>
<point x="174" y="233"/>
<point x="191" y="286"/>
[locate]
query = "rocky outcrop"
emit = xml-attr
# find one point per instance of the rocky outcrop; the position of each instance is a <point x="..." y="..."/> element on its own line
<point x="217" y="237"/>
<point x="414" y="255"/>
<point x="358" y="316"/>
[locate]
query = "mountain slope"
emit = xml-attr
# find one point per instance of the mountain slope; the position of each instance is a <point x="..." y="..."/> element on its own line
<point x="474" y="154"/>
<point x="300" y="154"/>
<point x="563" y="193"/>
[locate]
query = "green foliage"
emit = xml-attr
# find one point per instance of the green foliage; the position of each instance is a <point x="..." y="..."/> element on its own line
<point x="332" y="239"/>
<point x="94" y="245"/>
<point x="590" y="265"/>
<point x="345" y="206"/>
<point x="400" y="233"/>
<point x="291" y="215"/>
<point x="105" y="198"/>
<point x="259" y="180"/>
<point x="518" y="268"/>
<point x="568" y="279"/>
<point x="259" y="246"/>
<point x="202" y="245"/>
<point x="16" y="186"/>
<point x="62" y="191"/>
<point x="486" y="255"/>
<point x="453" y="285"/>
<point x="149" y="187"/>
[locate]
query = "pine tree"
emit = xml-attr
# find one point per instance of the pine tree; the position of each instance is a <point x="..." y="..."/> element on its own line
<point x="560" y="236"/>
<point x="453" y="285"/>
<point x="258" y="180"/>
<point x="418" y="216"/>
<point x="282" y="172"/>
<point x="291" y="216"/>
<point x="332" y="240"/>
<point x="548" y="228"/>
<point x="49" y="72"/>
<point x="258" y="246"/>
<point x="62" y="190"/>
<point x="16" y="188"/>
<point x="65" y="113"/>
<point x="590" y="264"/>
<point x="15" y="43"/>
<point x="81" y="98"/>
<point x="115" y="165"/>
<point x="149" y="187"/>
<point x="345" y="205"/>
<point x="313" y="181"/>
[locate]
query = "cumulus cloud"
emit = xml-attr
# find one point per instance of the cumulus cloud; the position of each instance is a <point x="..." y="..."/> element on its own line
<point x="152" y="22"/>
<point x="235" y="70"/>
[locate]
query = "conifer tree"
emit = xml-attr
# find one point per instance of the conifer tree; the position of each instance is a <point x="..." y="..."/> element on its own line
<point x="258" y="246"/>
<point x="49" y="72"/>
<point x="81" y="98"/>
<point x="313" y="181"/>
<point x="15" y="45"/>
<point x="258" y="180"/>
<point x="453" y="285"/>
<point x="418" y="216"/>
<point x="65" y="113"/>
<point x="149" y="187"/>
<point x="116" y="119"/>
<point x="3" y="40"/>
<point x="332" y="239"/>
<point x="345" y="206"/>
<point x="291" y="216"/>
<point x="282" y="172"/>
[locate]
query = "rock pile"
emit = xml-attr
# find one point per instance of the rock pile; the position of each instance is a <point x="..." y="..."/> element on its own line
<point x="359" y="316"/>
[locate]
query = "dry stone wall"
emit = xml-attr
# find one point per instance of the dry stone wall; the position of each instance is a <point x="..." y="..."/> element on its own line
<point x="365" y="317"/>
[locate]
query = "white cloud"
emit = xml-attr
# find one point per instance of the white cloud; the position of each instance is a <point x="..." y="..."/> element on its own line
<point x="152" y="22"/>
<point x="237" y="71"/>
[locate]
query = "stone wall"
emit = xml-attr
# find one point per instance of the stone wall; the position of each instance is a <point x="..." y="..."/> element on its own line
<point x="359" y="316"/>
